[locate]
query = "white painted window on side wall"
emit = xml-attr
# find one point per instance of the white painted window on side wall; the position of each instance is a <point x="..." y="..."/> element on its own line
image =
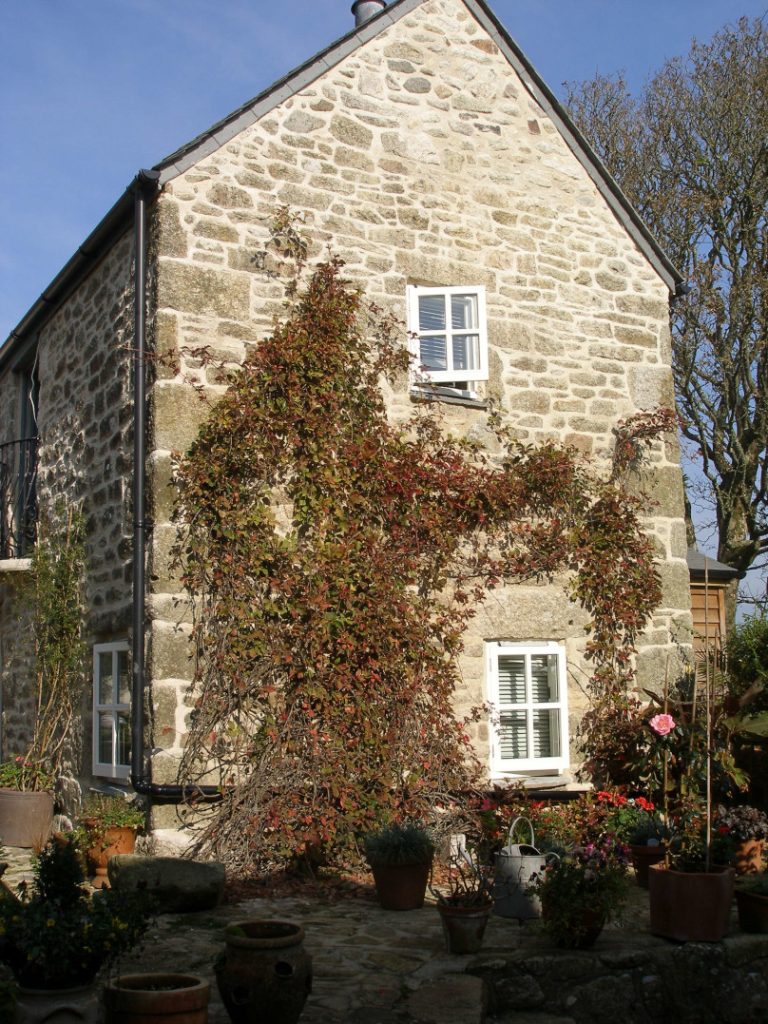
<point x="448" y="336"/>
<point x="527" y="689"/>
<point x="112" y="710"/>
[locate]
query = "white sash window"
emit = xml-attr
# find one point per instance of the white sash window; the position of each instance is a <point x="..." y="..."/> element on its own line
<point x="448" y="336"/>
<point x="527" y="689"/>
<point x="112" y="710"/>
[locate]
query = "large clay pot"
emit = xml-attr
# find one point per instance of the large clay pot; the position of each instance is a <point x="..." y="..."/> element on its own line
<point x="401" y="886"/>
<point x="265" y="974"/>
<point x="58" y="1006"/>
<point x="753" y="911"/>
<point x="109" y="842"/>
<point x="690" y="906"/>
<point x="151" y="998"/>
<point x="464" y="927"/>
<point x="25" y="818"/>
<point x="642" y="858"/>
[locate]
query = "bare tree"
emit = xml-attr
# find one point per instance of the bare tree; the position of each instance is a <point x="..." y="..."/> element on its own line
<point x="691" y="152"/>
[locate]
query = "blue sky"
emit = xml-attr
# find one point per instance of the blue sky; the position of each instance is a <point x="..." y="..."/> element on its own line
<point x="92" y="90"/>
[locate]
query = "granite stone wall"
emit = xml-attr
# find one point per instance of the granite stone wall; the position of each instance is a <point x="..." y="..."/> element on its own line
<point x="83" y="360"/>
<point x="422" y="159"/>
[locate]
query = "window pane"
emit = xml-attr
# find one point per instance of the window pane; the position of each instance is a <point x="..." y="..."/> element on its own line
<point x="431" y="312"/>
<point x="466" y="352"/>
<point x="105" y="739"/>
<point x="123" y="740"/>
<point x="434" y="353"/>
<point x="106" y="684"/>
<point x="546" y="733"/>
<point x="513" y="741"/>
<point x="124" y="678"/>
<point x="463" y="312"/>
<point x="544" y="678"/>
<point x="512" y="679"/>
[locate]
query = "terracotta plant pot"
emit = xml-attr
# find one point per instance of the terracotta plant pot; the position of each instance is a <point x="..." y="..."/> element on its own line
<point x="464" y="927"/>
<point x="401" y="886"/>
<point x="265" y="973"/>
<point x="690" y="906"/>
<point x="109" y="842"/>
<point x="642" y="858"/>
<point x="150" y="998"/>
<point x="25" y="818"/>
<point x="748" y="857"/>
<point x="753" y="911"/>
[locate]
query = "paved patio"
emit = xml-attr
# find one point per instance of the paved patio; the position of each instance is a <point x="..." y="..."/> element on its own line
<point x="380" y="967"/>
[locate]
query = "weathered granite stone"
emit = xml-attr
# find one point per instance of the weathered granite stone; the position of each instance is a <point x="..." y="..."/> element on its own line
<point x="177" y="886"/>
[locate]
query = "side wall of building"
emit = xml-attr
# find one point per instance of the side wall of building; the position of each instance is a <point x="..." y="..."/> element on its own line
<point x="82" y="359"/>
<point x="422" y="159"/>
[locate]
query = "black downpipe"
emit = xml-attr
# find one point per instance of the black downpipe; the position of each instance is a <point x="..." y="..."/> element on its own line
<point x="145" y="186"/>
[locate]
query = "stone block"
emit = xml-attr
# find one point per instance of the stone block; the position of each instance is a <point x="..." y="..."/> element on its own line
<point x="350" y="132"/>
<point x="203" y="291"/>
<point x="171" y="652"/>
<point x="178" y="415"/>
<point x="171" y="236"/>
<point x="452" y="999"/>
<point x="176" y="885"/>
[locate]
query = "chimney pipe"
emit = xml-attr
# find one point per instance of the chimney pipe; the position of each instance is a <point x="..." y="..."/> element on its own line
<point x="364" y="10"/>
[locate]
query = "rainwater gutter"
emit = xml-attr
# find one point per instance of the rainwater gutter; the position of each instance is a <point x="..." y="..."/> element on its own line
<point x="145" y="188"/>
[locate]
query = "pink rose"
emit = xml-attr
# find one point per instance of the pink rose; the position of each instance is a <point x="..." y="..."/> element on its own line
<point x="662" y="724"/>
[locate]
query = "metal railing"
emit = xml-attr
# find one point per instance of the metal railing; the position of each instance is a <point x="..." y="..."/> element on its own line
<point x="18" y="497"/>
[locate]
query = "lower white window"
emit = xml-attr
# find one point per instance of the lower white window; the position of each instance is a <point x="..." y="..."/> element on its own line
<point x="527" y="689"/>
<point x="112" y="710"/>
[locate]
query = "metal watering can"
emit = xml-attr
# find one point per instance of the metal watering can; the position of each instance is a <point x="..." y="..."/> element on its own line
<point x="517" y="866"/>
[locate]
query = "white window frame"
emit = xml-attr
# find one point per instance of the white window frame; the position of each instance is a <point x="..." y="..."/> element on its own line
<point x="500" y="765"/>
<point x="111" y="770"/>
<point x="450" y="376"/>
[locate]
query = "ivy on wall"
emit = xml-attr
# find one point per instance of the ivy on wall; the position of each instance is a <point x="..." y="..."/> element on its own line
<point x="335" y="558"/>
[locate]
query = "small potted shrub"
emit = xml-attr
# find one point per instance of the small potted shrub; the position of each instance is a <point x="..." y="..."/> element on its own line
<point x="691" y="892"/>
<point x="57" y="937"/>
<point x="110" y="823"/>
<point x="582" y="890"/>
<point x="26" y="802"/>
<point x="747" y="829"/>
<point x="465" y="903"/>
<point x="752" y="903"/>
<point x="400" y="858"/>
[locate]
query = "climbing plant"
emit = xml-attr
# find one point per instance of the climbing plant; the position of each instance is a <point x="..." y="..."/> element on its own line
<point x="53" y="596"/>
<point x="335" y="557"/>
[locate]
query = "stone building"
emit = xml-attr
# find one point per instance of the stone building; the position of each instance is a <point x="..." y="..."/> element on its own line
<point x="425" y="149"/>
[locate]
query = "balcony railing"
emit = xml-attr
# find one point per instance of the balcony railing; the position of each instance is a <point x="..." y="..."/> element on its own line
<point x="18" y="497"/>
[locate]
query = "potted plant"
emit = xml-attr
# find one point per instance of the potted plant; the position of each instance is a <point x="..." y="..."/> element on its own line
<point x="264" y="971"/>
<point x="110" y="823"/>
<point x="747" y="828"/>
<point x="691" y="891"/>
<point x="752" y="903"/>
<point x="465" y="902"/>
<point x="53" y="594"/>
<point x="56" y="937"/>
<point x="582" y="890"/>
<point x="26" y="802"/>
<point x="400" y="858"/>
<point x="150" y="998"/>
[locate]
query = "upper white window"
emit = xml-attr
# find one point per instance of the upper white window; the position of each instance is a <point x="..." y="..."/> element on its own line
<point x="112" y="710"/>
<point x="527" y="688"/>
<point x="448" y="334"/>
